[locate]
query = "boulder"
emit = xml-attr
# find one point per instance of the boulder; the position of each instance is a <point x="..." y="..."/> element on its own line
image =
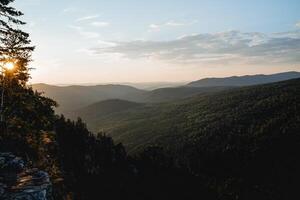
<point x="18" y="182"/>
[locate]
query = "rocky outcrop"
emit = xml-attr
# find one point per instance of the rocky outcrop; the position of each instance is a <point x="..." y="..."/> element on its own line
<point x="18" y="182"/>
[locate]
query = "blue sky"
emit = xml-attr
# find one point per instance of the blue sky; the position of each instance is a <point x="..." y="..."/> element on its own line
<point x="171" y="40"/>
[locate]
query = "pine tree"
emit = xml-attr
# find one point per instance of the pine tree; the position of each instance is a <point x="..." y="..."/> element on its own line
<point x="14" y="43"/>
<point x="26" y="112"/>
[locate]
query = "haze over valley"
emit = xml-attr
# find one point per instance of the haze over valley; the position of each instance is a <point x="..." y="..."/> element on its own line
<point x="73" y="98"/>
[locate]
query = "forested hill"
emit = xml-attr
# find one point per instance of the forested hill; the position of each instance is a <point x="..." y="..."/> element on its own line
<point x="245" y="80"/>
<point x="103" y="108"/>
<point x="244" y="143"/>
<point x="253" y="112"/>
<point x="74" y="98"/>
<point x="71" y="98"/>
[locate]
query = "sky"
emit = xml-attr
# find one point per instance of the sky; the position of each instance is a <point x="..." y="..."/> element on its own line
<point x="110" y="41"/>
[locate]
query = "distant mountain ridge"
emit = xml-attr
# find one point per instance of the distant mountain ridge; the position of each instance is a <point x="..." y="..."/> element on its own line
<point x="245" y="80"/>
<point x="73" y="98"/>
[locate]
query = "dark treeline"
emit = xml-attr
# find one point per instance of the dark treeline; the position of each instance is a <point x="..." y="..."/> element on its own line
<point x="93" y="167"/>
<point x="84" y="166"/>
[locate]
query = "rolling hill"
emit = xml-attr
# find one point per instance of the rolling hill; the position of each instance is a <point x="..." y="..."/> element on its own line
<point x="104" y="108"/>
<point x="244" y="80"/>
<point x="272" y="109"/>
<point x="71" y="98"/>
<point x="172" y="94"/>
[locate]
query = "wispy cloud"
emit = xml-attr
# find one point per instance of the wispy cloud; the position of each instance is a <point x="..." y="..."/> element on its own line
<point x="154" y="27"/>
<point x="158" y="27"/>
<point x="232" y="47"/>
<point x="99" y="24"/>
<point x="70" y="10"/>
<point x="84" y="33"/>
<point x="89" y="17"/>
<point x="106" y="44"/>
<point x="298" y="24"/>
<point x="171" y="23"/>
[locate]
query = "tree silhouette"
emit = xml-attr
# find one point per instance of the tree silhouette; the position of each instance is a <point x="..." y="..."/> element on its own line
<point x="26" y="112"/>
<point x="14" y="43"/>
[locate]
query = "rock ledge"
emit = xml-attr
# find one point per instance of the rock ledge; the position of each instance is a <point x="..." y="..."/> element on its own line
<point x="18" y="182"/>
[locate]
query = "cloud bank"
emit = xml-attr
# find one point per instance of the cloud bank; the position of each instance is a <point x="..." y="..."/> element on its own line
<point x="232" y="47"/>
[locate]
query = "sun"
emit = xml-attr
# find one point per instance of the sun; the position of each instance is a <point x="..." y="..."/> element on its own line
<point x="9" y="65"/>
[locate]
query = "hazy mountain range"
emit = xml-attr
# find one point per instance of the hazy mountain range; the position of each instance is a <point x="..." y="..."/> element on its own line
<point x="73" y="98"/>
<point x="248" y="110"/>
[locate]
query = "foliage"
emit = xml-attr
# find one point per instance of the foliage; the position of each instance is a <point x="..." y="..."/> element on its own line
<point x="26" y="113"/>
<point x="93" y="167"/>
<point x="15" y="44"/>
<point x="244" y="142"/>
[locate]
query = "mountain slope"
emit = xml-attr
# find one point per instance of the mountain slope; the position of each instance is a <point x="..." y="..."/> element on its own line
<point x="103" y="108"/>
<point x="71" y="98"/>
<point x="244" y="80"/>
<point x="177" y="93"/>
<point x="257" y="110"/>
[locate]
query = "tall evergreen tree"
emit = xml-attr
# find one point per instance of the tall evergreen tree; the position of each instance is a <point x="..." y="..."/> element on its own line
<point x="26" y="112"/>
<point x="14" y="43"/>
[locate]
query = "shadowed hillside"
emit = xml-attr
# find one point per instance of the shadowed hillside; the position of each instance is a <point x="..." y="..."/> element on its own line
<point x="103" y="108"/>
<point x="243" y="142"/>
<point x="74" y="98"/>
<point x="172" y="94"/>
<point x="71" y="98"/>
<point x="252" y="110"/>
